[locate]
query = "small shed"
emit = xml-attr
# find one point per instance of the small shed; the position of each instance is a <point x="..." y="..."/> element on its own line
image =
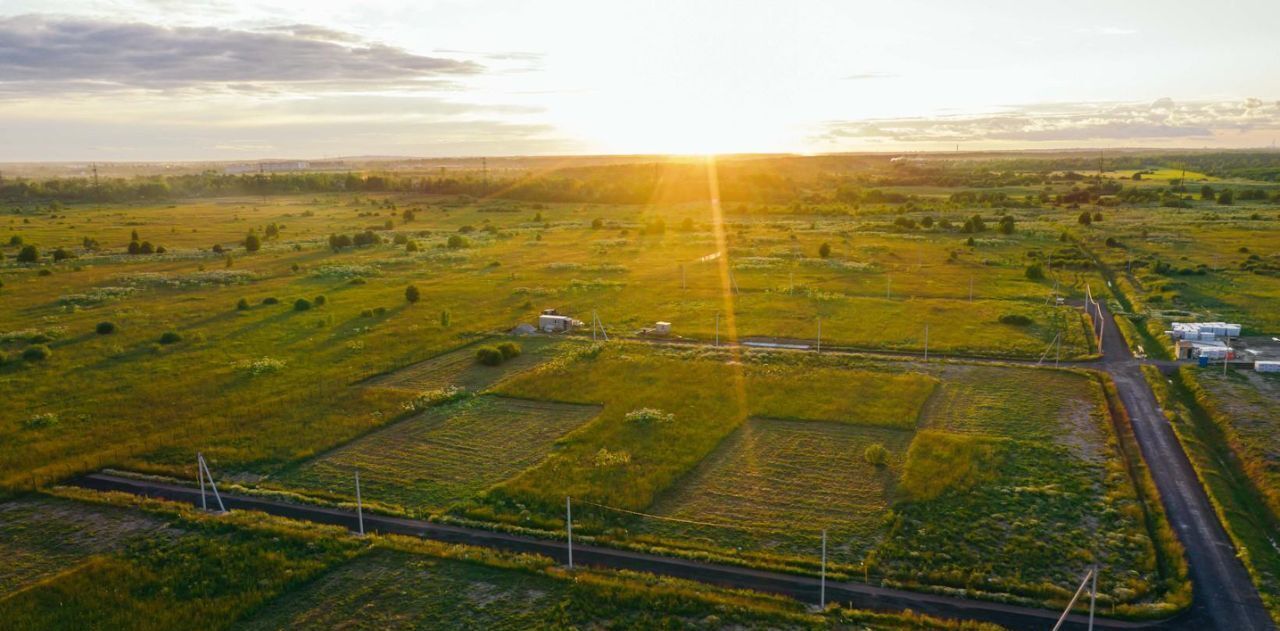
<point x="662" y="328"/>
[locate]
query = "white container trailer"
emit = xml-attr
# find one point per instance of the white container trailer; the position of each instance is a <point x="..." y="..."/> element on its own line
<point x="1266" y="366"/>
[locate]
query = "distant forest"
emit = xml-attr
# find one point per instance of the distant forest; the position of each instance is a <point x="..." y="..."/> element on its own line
<point x="771" y="179"/>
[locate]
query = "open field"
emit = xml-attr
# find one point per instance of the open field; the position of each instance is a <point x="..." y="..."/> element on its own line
<point x="294" y="365"/>
<point x="446" y="454"/>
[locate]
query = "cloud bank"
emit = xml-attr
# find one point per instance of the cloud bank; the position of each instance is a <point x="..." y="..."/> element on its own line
<point x="43" y="54"/>
<point x="1072" y="122"/>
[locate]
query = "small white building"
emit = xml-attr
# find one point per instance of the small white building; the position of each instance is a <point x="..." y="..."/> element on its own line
<point x="551" y="323"/>
<point x="1266" y="366"/>
<point x="662" y="328"/>
<point x="1203" y="331"/>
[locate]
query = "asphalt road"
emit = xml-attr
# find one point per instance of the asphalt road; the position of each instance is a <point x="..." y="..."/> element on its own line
<point x="804" y="588"/>
<point x="1223" y="597"/>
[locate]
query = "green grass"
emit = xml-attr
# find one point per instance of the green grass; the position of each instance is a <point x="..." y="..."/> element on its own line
<point x="446" y="454"/>
<point x="775" y="485"/>
<point x="460" y="369"/>
<point x="709" y="398"/>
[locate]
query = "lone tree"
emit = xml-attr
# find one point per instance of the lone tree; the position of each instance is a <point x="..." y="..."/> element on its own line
<point x="412" y="294"/>
<point x="824" y="250"/>
<point x="1085" y="218"/>
<point x="252" y="243"/>
<point x="1006" y="225"/>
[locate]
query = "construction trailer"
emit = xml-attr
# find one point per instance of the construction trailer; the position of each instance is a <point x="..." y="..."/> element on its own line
<point x="1266" y="366"/>
<point x="554" y="323"/>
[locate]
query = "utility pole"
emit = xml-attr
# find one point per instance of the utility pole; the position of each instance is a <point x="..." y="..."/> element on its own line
<point x="717" y="328"/>
<point x="888" y="284"/>
<point x="484" y="168"/>
<point x="971" y="289"/>
<point x="926" y="342"/>
<point x="819" y="334"/>
<point x="1093" y="595"/>
<point x="97" y="190"/>
<point x="683" y="286"/>
<point x="359" y="504"/>
<point x="568" y="526"/>
<point x="822" y="590"/>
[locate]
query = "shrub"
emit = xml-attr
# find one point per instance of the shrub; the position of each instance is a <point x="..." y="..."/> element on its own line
<point x="105" y="328"/>
<point x="444" y="318"/>
<point x="45" y="272"/>
<point x="824" y="250"/>
<point x="457" y="242"/>
<point x="320" y="300"/>
<point x="509" y="350"/>
<point x="252" y="243"/>
<point x="243" y="304"/>
<point x="412" y="294"/>
<point x="1035" y="272"/>
<point x="876" y="454"/>
<point x="489" y="356"/>
<point x="366" y="313"/>
<point x="379" y="311"/>
<point x="41" y="421"/>
<point x="38" y="352"/>
<point x="270" y="300"/>
<point x="1015" y="319"/>
<point x="170" y="337"/>
<point x="302" y="304"/>
<point x="28" y="254"/>
<point x="649" y="415"/>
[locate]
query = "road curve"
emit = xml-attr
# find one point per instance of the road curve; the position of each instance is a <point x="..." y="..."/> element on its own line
<point x="1223" y="595"/>
<point x="804" y="588"/>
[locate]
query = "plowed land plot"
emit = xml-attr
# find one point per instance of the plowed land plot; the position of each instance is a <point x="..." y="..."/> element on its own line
<point x="460" y="368"/>
<point x="779" y="483"/>
<point x="445" y="454"/>
<point x="43" y="536"/>
<point x="390" y="590"/>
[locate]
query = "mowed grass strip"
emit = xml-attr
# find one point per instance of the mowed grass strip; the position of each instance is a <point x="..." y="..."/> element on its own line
<point x="626" y="464"/>
<point x="459" y="367"/>
<point x="445" y="454"/>
<point x="775" y="485"/>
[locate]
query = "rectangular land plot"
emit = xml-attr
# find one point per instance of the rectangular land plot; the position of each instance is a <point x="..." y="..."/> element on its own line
<point x="445" y="454"/>
<point x="1024" y="403"/>
<point x="395" y="590"/>
<point x="779" y="483"/>
<point x="459" y="367"/>
<point x="43" y="536"/>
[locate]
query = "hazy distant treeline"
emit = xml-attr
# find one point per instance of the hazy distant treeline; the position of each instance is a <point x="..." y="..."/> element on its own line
<point x="782" y="179"/>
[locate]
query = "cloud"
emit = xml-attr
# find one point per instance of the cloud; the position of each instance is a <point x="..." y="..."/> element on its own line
<point x="42" y="55"/>
<point x="1163" y="119"/>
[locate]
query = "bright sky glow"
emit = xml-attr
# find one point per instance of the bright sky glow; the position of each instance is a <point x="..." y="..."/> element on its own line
<point x="169" y="80"/>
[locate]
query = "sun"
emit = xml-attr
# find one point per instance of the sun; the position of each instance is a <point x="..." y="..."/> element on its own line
<point x="672" y="124"/>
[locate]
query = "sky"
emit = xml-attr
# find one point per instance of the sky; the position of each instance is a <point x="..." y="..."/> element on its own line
<point x="164" y="80"/>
